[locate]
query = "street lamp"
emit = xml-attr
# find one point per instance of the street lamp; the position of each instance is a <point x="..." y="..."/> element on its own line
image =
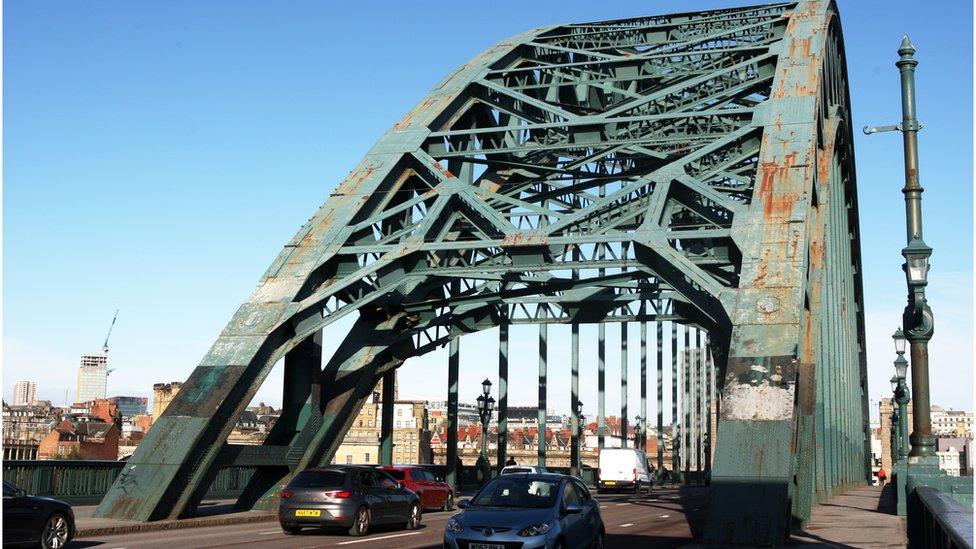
<point x="917" y="320"/>
<point x="486" y="404"/>
<point x="899" y="386"/>
<point x="579" y="434"/>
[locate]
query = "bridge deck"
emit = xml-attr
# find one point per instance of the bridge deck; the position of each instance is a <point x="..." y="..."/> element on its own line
<point x="862" y="517"/>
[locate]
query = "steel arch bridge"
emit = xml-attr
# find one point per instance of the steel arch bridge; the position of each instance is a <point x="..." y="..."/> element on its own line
<point x="695" y="168"/>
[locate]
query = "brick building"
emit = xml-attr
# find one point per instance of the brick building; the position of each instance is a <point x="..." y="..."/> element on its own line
<point x="81" y="439"/>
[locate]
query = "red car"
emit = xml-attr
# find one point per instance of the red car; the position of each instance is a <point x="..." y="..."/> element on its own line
<point x="434" y="493"/>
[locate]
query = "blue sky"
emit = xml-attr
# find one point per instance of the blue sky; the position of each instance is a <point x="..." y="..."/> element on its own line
<point x="157" y="157"/>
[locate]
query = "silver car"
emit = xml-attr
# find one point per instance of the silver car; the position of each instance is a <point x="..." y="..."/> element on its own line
<point x="350" y="497"/>
<point x="530" y="511"/>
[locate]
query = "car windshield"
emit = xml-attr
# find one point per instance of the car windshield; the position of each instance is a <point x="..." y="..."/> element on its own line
<point x="522" y="492"/>
<point x="319" y="479"/>
<point x="509" y="470"/>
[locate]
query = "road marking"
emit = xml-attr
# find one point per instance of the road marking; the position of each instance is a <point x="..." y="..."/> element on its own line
<point x="378" y="539"/>
<point x="269" y="533"/>
<point x="619" y="504"/>
<point x="626" y="525"/>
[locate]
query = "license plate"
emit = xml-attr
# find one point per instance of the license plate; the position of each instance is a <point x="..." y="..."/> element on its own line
<point x="485" y="546"/>
<point x="308" y="513"/>
<point x="610" y="482"/>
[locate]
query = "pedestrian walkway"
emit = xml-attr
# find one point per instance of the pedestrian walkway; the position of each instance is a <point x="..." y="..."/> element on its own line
<point x="862" y="517"/>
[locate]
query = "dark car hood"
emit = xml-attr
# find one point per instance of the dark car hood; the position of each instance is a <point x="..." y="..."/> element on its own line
<point x="509" y="517"/>
<point x="48" y="501"/>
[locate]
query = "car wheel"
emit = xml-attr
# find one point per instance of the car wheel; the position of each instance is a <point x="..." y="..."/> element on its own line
<point x="449" y="502"/>
<point x="413" y="520"/>
<point x="360" y="525"/>
<point x="55" y="533"/>
<point x="291" y="530"/>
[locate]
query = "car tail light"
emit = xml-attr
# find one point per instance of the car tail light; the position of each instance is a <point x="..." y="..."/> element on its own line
<point x="339" y="494"/>
<point x="285" y="494"/>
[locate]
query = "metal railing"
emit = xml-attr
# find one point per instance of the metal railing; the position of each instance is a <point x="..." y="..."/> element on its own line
<point x="85" y="482"/>
<point x="936" y="520"/>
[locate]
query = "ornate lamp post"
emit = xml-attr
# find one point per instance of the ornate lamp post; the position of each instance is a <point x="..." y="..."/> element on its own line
<point x="895" y="425"/>
<point x="579" y="435"/>
<point x="486" y="404"/>
<point x="902" y="394"/>
<point x="917" y="319"/>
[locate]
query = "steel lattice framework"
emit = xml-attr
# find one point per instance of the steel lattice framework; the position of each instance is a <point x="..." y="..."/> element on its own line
<point x="694" y="167"/>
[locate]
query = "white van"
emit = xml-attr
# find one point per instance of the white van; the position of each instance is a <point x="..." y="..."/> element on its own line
<point x="624" y="469"/>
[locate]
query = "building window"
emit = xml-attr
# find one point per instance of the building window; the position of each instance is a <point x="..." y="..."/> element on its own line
<point x="348" y="459"/>
<point x="370" y="423"/>
<point x="398" y="424"/>
<point x="367" y="457"/>
<point x="399" y="461"/>
<point x="400" y="412"/>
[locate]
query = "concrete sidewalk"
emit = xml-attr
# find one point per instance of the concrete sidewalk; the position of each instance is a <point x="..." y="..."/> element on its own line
<point x="862" y="517"/>
<point x="209" y="513"/>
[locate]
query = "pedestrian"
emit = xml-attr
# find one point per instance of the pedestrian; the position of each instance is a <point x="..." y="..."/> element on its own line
<point x="510" y="461"/>
<point x="882" y="476"/>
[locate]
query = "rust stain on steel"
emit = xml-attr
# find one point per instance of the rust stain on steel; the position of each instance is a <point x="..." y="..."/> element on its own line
<point x="776" y="204"/>
<point x="408" y="118"/>
<point x="446" y="172"/>
<point x="521" y="239"/>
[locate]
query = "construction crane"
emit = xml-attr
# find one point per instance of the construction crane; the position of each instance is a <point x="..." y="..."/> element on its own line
<point x="105" y="345"/>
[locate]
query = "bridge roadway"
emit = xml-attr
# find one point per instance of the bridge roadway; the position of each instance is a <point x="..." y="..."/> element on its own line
<point x="659" y="519"/>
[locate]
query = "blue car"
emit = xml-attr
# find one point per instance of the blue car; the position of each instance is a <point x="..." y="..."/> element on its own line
<point x="528" y="511"/>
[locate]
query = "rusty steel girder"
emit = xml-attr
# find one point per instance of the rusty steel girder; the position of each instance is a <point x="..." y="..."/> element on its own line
<point x="695" y="168"/>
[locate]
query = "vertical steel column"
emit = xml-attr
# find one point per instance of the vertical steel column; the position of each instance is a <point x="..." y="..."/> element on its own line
<point x="710" y="394"/>
<point x="675" y="428"/>
<point x="686" y="404"/>
<point x="502" y="392"/>
<point x="699" y="412"/>
<point x="386" y="418"/>
<point x="660" y="398"/>
<point x="543" y="367"/>
<point x="453" y="363"/>
<point x="601" y="364"/>
<point x="623" y="385"/>
<point x="575" y="457"/>
<point x="643" y="387"/>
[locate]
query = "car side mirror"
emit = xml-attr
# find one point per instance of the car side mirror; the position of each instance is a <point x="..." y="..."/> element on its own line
<point x="573" y="509"/>
<point x="463" y="504"/>
<point x="21" y="493"/>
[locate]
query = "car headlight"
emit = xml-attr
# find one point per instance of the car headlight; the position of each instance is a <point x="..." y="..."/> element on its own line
<point x="454" y="527"/>
<point x="535" y="529"/>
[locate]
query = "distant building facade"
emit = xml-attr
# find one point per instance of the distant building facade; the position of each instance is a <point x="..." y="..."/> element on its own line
<point x="951" y="423"/>
<point x="25" y="426"/>
<point x="25" y="392"/>
<point x="81" y="438"/>
<point x="163" y="394"/>
<point x="130" y="406"/>
<point x="92" y="377"/>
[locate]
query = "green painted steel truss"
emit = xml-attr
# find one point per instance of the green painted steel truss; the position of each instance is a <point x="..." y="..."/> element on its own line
<point x="694" y="167"/>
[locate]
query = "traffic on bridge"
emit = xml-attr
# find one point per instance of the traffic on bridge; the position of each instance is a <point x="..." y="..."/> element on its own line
<point x="682" y="184"/>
